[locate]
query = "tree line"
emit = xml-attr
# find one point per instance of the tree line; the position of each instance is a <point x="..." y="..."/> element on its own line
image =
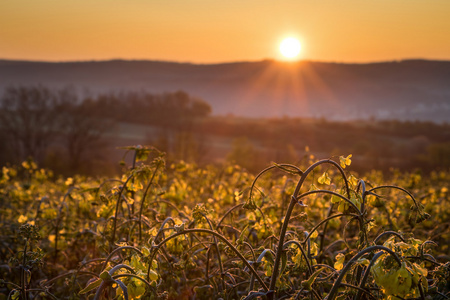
<point x="59" y="128"/>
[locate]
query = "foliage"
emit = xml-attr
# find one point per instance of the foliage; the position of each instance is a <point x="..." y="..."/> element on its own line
<point x="184" y="232"/>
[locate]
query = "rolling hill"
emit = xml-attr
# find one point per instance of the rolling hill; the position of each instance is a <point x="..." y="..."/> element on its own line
<point x="405" y="90"/>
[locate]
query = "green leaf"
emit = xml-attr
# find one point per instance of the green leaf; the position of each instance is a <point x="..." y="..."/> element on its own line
<point x="153" y="275"/>
<point x="240" y="240"/>
<point x="136" y="289"/>
<point x="91" y="286"/>
<point x="283" y="262"/>
<point x="307" y="284"/>
<point x="335" y="199"/>
<point x="105" y="275"/>
<point x="15" y="295"/>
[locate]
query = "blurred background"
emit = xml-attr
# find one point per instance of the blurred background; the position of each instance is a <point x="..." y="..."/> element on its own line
<point x="210" y="82"/>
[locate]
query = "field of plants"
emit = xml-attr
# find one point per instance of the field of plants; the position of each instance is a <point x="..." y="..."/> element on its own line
<point x="178" y="231"/>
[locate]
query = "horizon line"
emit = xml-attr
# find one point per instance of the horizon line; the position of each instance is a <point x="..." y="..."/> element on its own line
<point x="223" y="62"/>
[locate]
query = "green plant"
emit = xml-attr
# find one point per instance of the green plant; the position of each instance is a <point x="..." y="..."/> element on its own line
<point x="184" y="232"/>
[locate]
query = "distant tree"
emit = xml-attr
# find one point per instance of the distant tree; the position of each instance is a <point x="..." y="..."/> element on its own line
<point x="35" y="119"/>
<point x="27" y="117"/>
<point x="80" y="128"/>
<point x="200" y="108"/>
<point x="165" y="110"/>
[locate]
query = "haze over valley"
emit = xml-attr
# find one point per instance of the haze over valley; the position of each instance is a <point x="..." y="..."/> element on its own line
<point x="401" y="90"/>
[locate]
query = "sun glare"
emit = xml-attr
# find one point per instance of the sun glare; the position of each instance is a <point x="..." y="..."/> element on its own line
<point x="290" y="48"/>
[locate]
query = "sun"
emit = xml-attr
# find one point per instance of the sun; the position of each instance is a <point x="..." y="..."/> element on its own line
<point x="290" y="48"/>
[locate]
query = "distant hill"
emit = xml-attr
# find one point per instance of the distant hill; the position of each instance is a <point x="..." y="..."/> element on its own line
<point x="406" y="90"/>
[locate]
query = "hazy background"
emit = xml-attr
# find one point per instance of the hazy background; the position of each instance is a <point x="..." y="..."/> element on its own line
<point x="204" y="81"/>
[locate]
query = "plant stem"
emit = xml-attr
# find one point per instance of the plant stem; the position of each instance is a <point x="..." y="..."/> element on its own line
<point x="292" y="203"/>
<point x="143" y="201"/>
<point x="119" y="200"/>
<point x="349" y="264"/>
<point x="218" y="235"/>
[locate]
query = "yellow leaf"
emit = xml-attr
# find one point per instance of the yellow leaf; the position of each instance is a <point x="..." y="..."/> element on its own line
<point x="339" y="264"/>
<point x="324" y="179"/>
<point x="353" y="180"/>
<point x="313" y="187"/>
<point x="345" y="161"/>
<point x="370" y="225"/>
<point x="69" y="181"/>
<point x="314" y="249"/>
<point x="22" y="219"/>
<point x="420" y="270"/>
<point x="51" y="238"/>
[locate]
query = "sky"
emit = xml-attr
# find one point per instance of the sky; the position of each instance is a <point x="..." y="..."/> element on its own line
<point x="213" y="31"/>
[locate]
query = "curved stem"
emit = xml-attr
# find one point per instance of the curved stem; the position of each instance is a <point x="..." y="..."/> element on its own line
<point x="228" y="212"/>
<point x="398" y="188"/>
<point x="251" y="249"/>
<point x="45" y="283"/>
<point x="349" y="264"/>
<point x="366" y="275"/>
<point x="118" y="249"/>
<point x="323" y="233"/>
<point x="161" y="229"/>
<point x="218" y="235"/>
<point x="23" y="275"/>
<point x="217" y="251"/>
<point x="423" y="244"/>
<point x="123" y="287"/>
<point x="103" y="284"/>
<point x="331" y="193"/>
<point x="171" y="205"/>
<point x="45" y="291"/>
<point x="291" y="208"/>
<point x="137" y="277"/>
<point x="422" y="295"/>
<point x="279" y="166"/>
<point x="360" y="290"/>
<point x="143" y="201"/>
<point x="303" y="253"/>
<point x="389" y="233"/>
<point x="118" y="267"/>
<point x="326" y="220"/>
<point x="424" y="259"/>
<point x="119" y="200"/>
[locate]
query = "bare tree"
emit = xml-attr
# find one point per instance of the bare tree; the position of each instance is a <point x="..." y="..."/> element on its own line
<point x="28" y="120"/>
<point x="34" y="119"/>
<point x="82" y="128"/>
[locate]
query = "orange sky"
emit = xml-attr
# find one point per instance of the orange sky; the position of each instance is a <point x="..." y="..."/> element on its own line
<point x="205" y="31"/>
